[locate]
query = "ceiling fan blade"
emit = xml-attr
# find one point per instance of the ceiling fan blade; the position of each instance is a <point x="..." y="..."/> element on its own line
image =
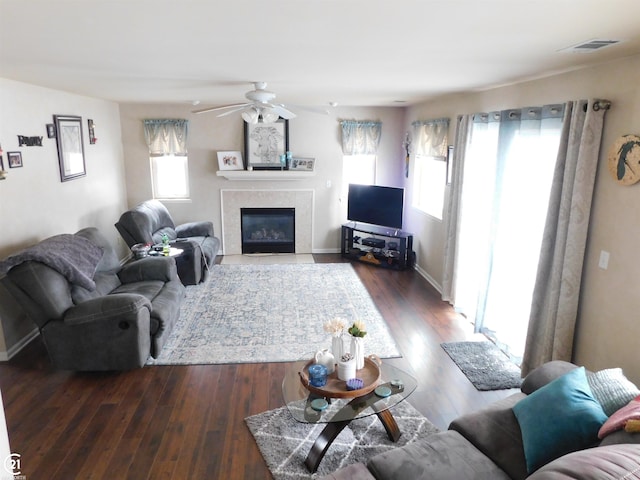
<point x="213" y="109"/>
<point x="238" y="109"/>
<point x="283" y="112"/>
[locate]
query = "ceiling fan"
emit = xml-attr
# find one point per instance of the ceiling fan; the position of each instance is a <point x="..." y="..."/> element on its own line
<point x="258" y="106"/>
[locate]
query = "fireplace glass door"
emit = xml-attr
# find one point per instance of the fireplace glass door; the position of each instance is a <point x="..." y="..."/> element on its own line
<point x="268" y="230"/>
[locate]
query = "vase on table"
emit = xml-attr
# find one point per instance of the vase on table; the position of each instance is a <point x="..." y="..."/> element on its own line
<point x="357" y="350"/>
<point x="337" y="346"/>
<point x="325" y="358"/>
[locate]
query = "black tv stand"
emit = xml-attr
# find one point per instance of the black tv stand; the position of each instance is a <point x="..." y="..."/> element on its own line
<point x="381" y="246"/>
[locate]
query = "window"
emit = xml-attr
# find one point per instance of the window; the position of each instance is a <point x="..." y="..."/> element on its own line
<point x="429" y="183"/>
<point x="167" y="141"/>
<point x="430" y="178"/>
<point x="358" y="169"/>
<point x="170" y="177"/>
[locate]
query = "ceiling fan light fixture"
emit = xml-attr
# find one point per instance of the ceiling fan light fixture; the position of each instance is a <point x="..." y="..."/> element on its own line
<point x="269" y="116"/>
<point x="251" y="116"/>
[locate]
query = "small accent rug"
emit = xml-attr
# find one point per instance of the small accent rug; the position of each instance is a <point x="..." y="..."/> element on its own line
<point x="285" y="443"/>
<point x="484" y="364"/>
<point x="271" y="313"/>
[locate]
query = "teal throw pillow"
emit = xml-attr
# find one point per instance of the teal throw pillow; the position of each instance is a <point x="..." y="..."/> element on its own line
<point x="559" y="418"/>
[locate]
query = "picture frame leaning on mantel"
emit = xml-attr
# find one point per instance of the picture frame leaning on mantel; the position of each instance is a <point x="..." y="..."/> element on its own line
<point x="264" y="143"/>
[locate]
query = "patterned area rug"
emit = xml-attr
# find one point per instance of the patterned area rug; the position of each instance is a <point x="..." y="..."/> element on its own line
<point x="271" y="313"/>
<point x="484" y="364"/>
<point x="285" y="443"/>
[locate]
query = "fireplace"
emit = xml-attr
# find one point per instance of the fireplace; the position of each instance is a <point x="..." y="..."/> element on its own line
<point x="268" y="230"/>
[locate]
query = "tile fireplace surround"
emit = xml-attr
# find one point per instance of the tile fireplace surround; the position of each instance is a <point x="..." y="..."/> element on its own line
<point x="231" y="201"/>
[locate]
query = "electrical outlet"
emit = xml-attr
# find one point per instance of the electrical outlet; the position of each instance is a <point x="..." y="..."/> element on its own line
<point x="603" y="263"/>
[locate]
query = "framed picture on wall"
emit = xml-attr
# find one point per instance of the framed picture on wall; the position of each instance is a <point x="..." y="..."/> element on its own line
<point x="230" y="160"/>
<point x="265" y="144"/>
<point x="70" y="146"/>
<point x="14" y="159"/>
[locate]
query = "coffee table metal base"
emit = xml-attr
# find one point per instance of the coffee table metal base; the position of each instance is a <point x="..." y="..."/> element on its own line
<point x="332" y="430"/>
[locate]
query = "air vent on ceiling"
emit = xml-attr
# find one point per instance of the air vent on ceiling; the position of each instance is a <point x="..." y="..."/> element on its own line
<point x="590" y="46"/>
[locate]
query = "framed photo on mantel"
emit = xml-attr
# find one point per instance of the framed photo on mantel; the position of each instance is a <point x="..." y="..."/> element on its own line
<point x="230" y="160"/>
<point x="264" y="143"/>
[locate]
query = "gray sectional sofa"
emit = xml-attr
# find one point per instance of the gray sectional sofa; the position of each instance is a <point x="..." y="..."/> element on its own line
<point x="556" y="440"/>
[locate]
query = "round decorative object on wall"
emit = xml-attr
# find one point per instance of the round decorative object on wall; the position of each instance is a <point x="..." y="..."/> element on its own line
<point x="624" y="159"/>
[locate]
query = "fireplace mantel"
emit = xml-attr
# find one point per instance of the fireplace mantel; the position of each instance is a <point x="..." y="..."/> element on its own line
<point x="246" y="175"/>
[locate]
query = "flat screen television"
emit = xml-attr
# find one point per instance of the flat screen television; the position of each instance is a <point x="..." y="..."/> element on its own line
<point x="376" y="205"/>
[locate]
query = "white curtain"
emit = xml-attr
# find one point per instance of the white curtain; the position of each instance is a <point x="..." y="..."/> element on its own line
<point x="555" y="298"/>
<point x="166" y="136"/>
<point x="452" y="214"/>
<point x="505" y="183"/>
<point x="360" y="137"/>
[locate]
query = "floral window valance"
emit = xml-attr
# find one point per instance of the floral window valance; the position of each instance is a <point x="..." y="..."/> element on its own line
<point x="166" y="136"/>
<point x="430" y="137"/>
<point x="360" y="138"/>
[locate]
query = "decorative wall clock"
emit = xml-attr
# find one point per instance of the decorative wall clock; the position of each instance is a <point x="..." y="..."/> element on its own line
<point x="624" y="160"/>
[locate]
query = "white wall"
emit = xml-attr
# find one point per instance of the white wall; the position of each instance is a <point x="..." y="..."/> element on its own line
<point x="34" y="203"/>
<point x="5" y="448"/>
<point x="310" y="135"/>
<point x="609" y="314"/>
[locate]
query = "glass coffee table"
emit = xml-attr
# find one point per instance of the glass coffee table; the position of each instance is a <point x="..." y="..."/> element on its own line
<point x="341" y="407"/>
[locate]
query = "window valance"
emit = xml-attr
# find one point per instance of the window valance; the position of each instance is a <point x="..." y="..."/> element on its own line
<point x="430" y="137"/>
<point x="360" y="137"/>
<point x="166" y="136"/>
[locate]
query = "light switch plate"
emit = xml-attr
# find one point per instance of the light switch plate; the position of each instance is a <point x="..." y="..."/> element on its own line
<point x="604" y="260"/>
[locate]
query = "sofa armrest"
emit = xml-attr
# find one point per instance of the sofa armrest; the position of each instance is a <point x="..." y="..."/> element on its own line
<point x="613" y="461"/>
<point x="195" y="229"/>
<point x="119" y="306"/>
<point x="544" y="374"/>
<point x="106" y="333"/>
<point x="494" y="430"/>
<point x="151" y="268"/>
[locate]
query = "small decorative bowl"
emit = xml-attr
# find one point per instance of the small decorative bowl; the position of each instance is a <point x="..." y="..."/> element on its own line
<point x="355" y="384"/>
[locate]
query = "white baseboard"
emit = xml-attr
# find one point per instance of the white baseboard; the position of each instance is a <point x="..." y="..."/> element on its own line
<point x="325" y="250"/>
<point x="423" y="273"/>
<point x="24" y="341"/>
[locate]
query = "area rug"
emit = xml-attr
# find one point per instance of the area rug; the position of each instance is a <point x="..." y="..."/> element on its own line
<point x="484" y="364"/>
<point x="284" y="443"/>
<point x="271" y="313"/>
<point x="268" y="258"/>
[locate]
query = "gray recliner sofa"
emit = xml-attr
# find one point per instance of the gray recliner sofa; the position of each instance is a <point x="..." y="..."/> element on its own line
<point x="147" y="222"/>
<point x="93" y="313"/>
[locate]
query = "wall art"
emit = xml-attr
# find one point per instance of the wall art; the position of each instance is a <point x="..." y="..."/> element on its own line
<point x="230" y="160"/>
<point x="14" y="159"/>
<point x="70" y="146"/>
<point x="264" y="143"/>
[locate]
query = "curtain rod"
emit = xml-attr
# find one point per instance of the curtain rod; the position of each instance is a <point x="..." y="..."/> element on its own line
<point x="601" y="105"/>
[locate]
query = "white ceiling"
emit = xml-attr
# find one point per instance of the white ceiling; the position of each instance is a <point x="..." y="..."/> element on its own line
<point x="311" y="52"/>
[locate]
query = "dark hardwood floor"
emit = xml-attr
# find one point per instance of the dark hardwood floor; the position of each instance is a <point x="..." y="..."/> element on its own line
<point x="187" y="422"/>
